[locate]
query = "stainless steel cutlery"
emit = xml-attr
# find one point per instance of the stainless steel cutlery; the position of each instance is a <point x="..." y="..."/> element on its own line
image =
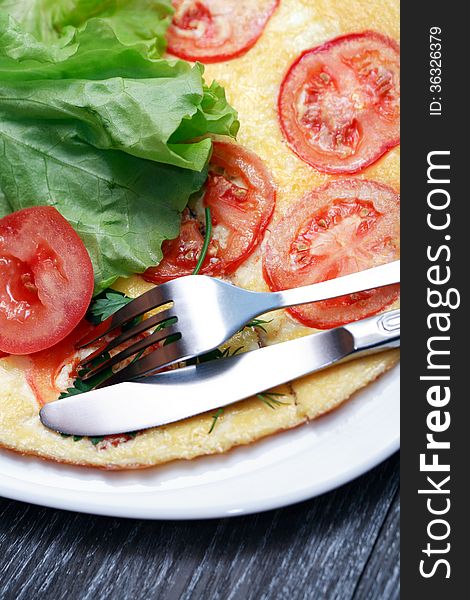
<point x="199" y="313"/>
<point x="182" y="393"/>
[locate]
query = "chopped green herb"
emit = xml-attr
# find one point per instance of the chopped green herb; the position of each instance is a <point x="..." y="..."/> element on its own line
<point x="212" y="355"/>
<point x="271" y="399"/>
<point x="137" y="356"/>
<point x="215" y="418"/>
<point x="80" y="386"/>
<point x="257" y="323"/>
<point x="207" y="239"/>
<point x="166" y="323"/>
<point x="96" y="440"/>
<point x="103" y="308"/>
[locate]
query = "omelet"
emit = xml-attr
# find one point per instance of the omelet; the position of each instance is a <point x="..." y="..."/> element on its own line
<point x="252" y="83"/>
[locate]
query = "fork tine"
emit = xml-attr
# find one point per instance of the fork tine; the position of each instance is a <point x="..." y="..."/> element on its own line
<point x="150" y="300"/>
<point x="153" y="338"/>
<point x="164" y="356"/>
<point x="144" y="325"/>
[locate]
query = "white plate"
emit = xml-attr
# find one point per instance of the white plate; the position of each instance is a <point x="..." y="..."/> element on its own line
<point x="286" y="468"/>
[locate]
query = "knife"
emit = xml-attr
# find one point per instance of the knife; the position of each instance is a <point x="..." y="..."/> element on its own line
<point x="181" y="393"/>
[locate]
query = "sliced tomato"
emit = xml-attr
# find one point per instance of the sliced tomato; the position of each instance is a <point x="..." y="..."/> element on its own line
<point x="241" y="197"/>
<point x="45" y="367"/>
<point x="339" y="103"/>
<point x="217" y="30"/>
<point x="343" y="227"/>
<point x="46" y="280"/>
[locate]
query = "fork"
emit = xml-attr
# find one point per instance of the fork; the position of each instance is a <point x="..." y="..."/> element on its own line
<point x="199" y="313"/>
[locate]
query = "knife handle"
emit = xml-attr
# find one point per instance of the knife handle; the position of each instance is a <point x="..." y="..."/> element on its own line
<point x="376" y="333"/>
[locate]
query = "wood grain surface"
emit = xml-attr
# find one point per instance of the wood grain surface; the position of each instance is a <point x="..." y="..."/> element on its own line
<point x="343" y="545"/>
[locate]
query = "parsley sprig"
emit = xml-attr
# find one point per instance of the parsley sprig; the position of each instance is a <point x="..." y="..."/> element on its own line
<point x="107" y="304"/>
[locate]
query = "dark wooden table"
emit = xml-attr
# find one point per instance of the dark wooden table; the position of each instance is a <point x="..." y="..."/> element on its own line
<point x="339" y="546"/>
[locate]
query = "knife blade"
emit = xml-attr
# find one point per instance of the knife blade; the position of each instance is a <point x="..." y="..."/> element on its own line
<point x="175" y="395"/>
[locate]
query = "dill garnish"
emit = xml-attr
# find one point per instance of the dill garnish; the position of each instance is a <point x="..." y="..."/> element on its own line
<point x="257" y="323"/>
<point x="207" y="240"/>
<point x="271" y="399"/>
<point x="215" y="418"/>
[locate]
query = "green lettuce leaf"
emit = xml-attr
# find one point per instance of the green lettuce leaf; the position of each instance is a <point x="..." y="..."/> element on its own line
<point x="93" y="124"/>
<point x="153" y="117"/>
<point x="149" y="108"/>
<point x="122" y="207"/>
<point x="53" y="22"/>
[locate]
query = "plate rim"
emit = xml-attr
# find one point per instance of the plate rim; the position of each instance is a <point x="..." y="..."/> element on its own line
<point x="89" y="503"/>
<point x="259" y="506"/>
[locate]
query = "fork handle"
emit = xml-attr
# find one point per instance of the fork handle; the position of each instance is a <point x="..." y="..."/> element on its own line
<point x="348" y="284"/>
